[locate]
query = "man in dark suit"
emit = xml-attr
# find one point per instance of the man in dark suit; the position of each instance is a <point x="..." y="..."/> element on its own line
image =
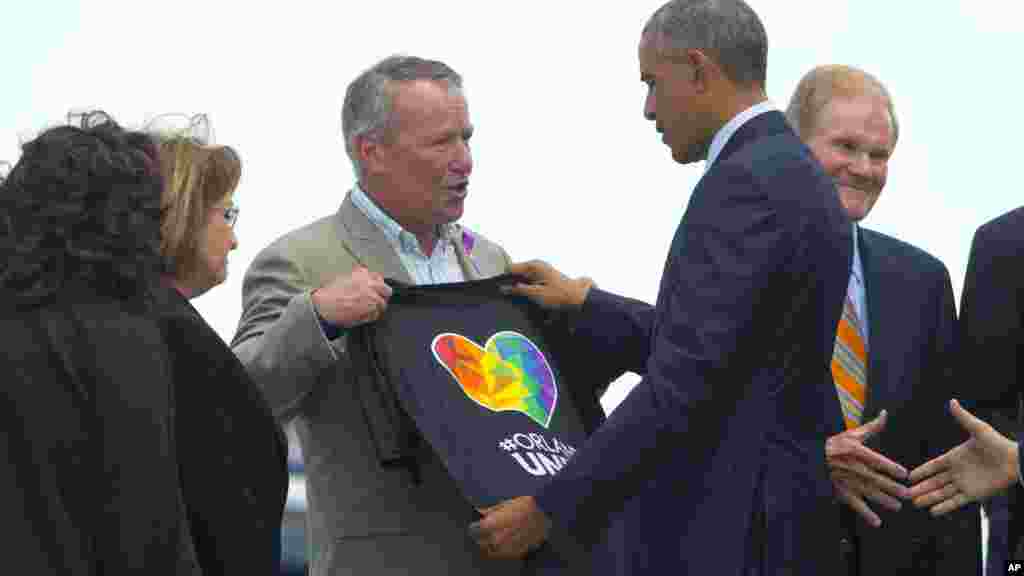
<point x="992" y="335"/>
<point x="714" y="463"/>
<point x="893" y="370"/>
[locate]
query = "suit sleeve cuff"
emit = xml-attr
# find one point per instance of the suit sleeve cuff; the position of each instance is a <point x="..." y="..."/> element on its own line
<point x="563" y="504"/>
<point x="331" y="332"/>
<point x="583" y="318"/>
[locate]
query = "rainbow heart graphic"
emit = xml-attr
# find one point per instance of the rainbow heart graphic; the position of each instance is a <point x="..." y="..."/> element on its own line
<point x="509" y="374"/>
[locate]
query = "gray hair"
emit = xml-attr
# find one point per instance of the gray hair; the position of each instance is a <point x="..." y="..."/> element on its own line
<point x="825" y="83"/>
<point x="368" y="100"/>
<point x="727" y="30"/>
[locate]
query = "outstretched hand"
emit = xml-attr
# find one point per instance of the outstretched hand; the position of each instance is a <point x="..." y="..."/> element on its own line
<point x="981" y="467"/>
<point x="860" y="474"/>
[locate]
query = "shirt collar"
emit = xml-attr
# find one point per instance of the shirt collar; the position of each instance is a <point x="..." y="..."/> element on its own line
<point x="856" y="266"/>
<point x="725" y="132"/>
<point x="398" y="236"/>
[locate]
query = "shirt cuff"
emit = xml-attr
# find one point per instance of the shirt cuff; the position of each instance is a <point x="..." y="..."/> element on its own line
<point x="1020" y="478"/>
<point x="331" y="331"/>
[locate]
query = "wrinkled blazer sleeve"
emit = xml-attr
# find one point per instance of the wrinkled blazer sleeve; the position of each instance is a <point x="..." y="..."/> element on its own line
<point x="615" y="329"/>
<point x="279" y="338"/>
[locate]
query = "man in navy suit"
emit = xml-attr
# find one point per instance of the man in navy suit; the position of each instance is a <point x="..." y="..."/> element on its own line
<point x="901" y="302"/>
<point x="715" y="462"/>
<point x="992" y="337"/>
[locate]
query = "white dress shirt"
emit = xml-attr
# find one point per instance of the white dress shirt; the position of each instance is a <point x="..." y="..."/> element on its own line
<point x="730" y="128"/>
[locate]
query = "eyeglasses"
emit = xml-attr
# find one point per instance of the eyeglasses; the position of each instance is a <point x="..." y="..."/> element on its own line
<point x="231" y="215"/>
<point x="196" y="127"/>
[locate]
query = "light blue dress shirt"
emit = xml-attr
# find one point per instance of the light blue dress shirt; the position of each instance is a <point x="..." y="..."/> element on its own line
<point x="856" y="291"/>
<point x="441" y="267"/>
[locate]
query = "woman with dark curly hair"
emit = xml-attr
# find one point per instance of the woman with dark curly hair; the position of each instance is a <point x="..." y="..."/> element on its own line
<point x="233" y="461"/>
<point x="89" y="479"/>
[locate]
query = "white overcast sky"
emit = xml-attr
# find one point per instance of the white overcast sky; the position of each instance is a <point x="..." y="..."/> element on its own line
<point x="566" y="169"/>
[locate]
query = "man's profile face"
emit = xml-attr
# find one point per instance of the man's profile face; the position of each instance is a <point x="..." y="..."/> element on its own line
<point x="671" y="102"/>
<point x="427" y="157"/>
<point x="853" y="139"/>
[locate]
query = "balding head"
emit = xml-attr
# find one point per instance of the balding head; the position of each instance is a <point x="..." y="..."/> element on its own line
<point x="846" y="117"/>
<point x="823" y="84"/>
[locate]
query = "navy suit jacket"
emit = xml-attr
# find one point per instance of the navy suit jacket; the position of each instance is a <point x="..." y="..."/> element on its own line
<point x="991" y="331"/>
<point x="911" y="357"/>
<point x="714" y="463"/>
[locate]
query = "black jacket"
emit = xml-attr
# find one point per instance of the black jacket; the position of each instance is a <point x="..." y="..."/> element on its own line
<point x="232" y="456"/>
<point x="89" y="475"/>
<point x="493" y="385"/>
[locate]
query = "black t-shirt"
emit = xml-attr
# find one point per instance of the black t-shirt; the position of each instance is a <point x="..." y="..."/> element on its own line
<point x="472" y="369"/>
<point x="474" y="373"/>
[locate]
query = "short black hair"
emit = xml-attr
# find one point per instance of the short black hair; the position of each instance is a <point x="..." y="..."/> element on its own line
<point x="729" y="30"/>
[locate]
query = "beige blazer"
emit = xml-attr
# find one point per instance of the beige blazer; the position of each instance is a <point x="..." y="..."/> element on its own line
<point x="362" y="518"/>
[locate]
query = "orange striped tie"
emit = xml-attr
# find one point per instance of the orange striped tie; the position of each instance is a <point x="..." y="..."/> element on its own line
<point x="849" y="366"/>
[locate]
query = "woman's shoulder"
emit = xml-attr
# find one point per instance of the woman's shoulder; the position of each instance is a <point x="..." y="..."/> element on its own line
<point x="185" y="331"/>
<point x="85" y="332"/>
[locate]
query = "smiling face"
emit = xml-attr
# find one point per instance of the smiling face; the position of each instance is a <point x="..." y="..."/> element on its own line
<point x="853" y="138"/>
<point x="419" y="173"/>
<point x="674" y="101"/>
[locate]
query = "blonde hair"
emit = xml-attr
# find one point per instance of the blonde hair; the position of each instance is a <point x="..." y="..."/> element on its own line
<point x="196" y="178"/>
<point x="823" y="84"/>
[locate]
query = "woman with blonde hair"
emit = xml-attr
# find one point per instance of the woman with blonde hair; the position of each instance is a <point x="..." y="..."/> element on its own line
<point x="198" y="211"/>
<point x="233" y="467"/>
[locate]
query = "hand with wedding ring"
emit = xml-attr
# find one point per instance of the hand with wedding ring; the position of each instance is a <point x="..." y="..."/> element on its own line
<point x="348" y="301"/>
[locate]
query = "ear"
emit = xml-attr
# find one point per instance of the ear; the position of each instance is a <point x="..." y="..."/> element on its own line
<point x="371" y="153"/>
<point x="703" y="70"/>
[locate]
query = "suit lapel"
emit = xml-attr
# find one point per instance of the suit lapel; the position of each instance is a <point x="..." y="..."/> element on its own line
<point x="368" y="244"/>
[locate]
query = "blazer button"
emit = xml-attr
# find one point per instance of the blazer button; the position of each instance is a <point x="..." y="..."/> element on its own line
<point x="845" y="547"/>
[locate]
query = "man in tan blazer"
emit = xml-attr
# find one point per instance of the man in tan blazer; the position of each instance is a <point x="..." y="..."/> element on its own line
<point x="406" y="129"/>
